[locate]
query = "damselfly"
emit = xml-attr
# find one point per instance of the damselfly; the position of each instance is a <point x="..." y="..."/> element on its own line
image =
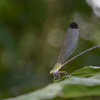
<point x="69" y="45"/>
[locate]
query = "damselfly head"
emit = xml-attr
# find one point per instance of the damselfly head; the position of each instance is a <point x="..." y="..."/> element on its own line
<point x="51" y="71"/>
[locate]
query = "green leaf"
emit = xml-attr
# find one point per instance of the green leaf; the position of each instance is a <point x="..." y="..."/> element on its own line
<point x="72" y="86"/>
<point x="87" y="71"/>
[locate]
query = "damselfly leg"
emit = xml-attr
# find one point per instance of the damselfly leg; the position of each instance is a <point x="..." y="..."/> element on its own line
<point x="58" y="74"/>
<point x="64" y="72"/>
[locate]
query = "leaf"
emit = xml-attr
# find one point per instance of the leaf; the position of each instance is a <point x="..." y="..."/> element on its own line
<point x="72" y="86"/>
<point x="87" y="71"/>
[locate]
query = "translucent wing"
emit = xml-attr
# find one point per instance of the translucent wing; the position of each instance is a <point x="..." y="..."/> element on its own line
<point x="70" y="43"/>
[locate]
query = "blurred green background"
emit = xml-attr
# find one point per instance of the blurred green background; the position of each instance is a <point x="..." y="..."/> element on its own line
<point x="31" y="36"/>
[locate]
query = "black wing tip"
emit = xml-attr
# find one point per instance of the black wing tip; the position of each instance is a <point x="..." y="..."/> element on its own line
<point x="73" y="25"/>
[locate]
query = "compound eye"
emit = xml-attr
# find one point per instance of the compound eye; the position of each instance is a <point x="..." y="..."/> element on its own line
<point x="51" y="71"/>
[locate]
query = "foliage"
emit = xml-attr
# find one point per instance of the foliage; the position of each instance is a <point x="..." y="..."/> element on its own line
<point x="75" y="85"/>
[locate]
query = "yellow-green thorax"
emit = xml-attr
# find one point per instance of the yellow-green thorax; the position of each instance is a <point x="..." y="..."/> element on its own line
<point x="56" y="68"/>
